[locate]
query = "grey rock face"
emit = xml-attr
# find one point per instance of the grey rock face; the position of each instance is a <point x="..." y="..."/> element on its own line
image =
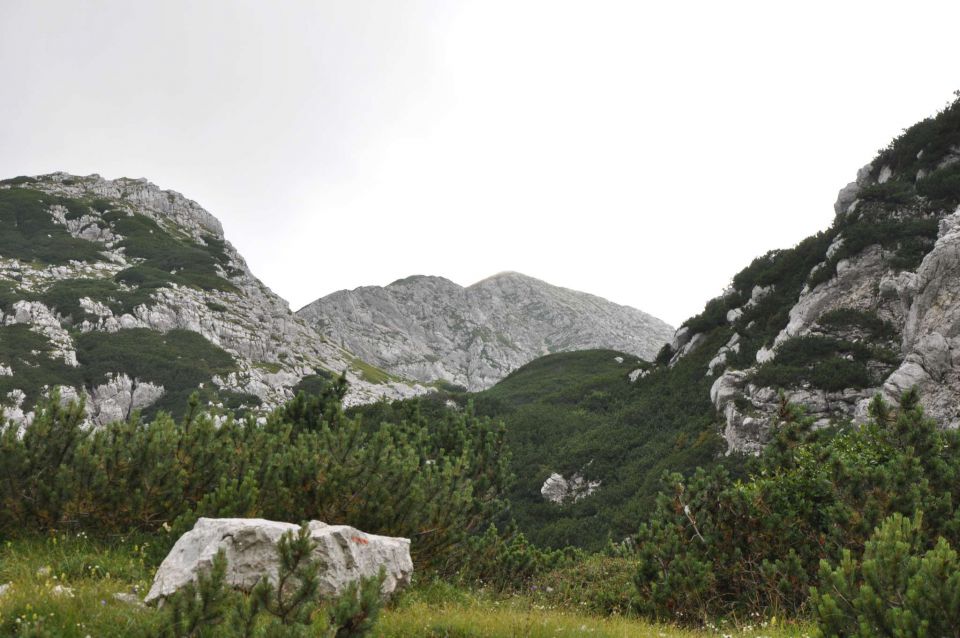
<point x="273" y="348"/>
<point x="250" y="545"/>
<point x="429" y="328"/>
<point x="924" y="306"/>
<point x="848" y="194"/>
<point x="562" y="491"/>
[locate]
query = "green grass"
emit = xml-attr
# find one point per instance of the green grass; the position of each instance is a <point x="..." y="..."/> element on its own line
<point x="96" y="569"/>
<point x="92" y="570"/>
<point x="369" y="373"/>
<point x="441" y="611"/>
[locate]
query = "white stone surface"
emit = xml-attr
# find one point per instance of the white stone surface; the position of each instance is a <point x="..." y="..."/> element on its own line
<point x="562" y="491"/>
<point x="250" y="548"/>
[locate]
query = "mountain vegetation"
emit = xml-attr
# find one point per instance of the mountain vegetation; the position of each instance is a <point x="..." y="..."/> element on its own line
<point x="754" y="474"/>
<point x="579" y="412"/>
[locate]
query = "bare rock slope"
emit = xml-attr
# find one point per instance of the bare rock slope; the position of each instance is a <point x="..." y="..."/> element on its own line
<point x="870" y="306"/>
<point x="130" y="297"/>
<point x="429" y="328"/>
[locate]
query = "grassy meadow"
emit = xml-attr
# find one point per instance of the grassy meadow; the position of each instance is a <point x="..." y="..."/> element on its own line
<point x="70" y="586"/>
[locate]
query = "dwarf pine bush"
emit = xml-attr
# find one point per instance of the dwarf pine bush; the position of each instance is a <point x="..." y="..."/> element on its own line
<point x="895" y="589"/>
<point x="435" y="482"/>
<point x="717" y="547"/>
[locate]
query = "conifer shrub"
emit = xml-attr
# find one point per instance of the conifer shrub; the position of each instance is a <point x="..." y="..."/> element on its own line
<point x="899" y="587"/>
<point x="942" y="186"/>
<point x="824" y="362"/>
<point x="434" y="482"/>
<point x="507" y="561"/>
<point x="718" y="547"/>
<point x="31" y="234"/>
<point x="924" y="145"/>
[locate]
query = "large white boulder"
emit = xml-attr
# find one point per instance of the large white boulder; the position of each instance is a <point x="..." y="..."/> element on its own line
<point x="251" y="550"/>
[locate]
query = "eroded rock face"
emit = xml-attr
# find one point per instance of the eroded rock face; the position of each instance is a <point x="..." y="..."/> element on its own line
<point x="250" y="545"/>
<point x="119" y="397"/>
<point x="562" y="491"/>
<point x="429" y="328"/>
<point x="923" y="306"/>
<point x="272" y="347"/>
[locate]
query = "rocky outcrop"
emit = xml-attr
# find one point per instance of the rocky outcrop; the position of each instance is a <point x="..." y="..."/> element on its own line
<point x="931" y="332"/>
<point x="562" y="491"/>
<point x="429" y="328"/>
<point x="119" y="397"/>
<point x="273" y="349"/>
<point x="920" y="305"/>
<point x="250" y="544"/>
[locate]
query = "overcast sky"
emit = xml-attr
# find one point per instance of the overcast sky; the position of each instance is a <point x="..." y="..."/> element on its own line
<point x="641" y="151"/>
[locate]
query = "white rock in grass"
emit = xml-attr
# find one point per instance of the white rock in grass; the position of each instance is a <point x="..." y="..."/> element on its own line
<point x="250" y="545"/>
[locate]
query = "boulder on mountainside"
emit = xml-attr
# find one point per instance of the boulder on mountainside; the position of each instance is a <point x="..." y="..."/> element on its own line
<point x="250" y="544"/>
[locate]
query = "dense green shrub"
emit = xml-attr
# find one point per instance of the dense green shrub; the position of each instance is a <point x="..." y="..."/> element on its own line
<point x="717" y="546"/>
<point x="29" y="356"/>
<point x="890" y="192"/>
<point x="179" y="360"/>
<point x="923" y="145"/>
<point x="508" y="562"/>
<point x="171" y="257"/>
<point x="942" y="186"/>
<point x="63" y="296"/>
<point x="600" y="583"/>
<point x="895" y="589"/>
<point x="29" y="232"/>
<point x="825" y="362"/>
<point x="579" y="412"/>
<point x="907" y="237"/>
<point x="434" y="482"/>
<point x="847" y="319"/>
<point x="783" y="273"/>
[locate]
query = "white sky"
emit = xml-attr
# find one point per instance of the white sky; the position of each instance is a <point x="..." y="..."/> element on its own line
<point x="641" y="151"/>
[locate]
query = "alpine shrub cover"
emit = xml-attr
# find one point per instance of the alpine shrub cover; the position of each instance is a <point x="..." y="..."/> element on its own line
<point x="434" y="482"/>
<point x="716" y="546"/>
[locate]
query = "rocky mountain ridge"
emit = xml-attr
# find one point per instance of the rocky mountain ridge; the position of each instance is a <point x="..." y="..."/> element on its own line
<point x="869" y="306"/>
<point x="430" y="328"/>
<point x="129" y="296"/>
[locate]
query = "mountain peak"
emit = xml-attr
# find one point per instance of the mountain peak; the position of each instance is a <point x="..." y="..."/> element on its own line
<point x="429" y="328"/>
